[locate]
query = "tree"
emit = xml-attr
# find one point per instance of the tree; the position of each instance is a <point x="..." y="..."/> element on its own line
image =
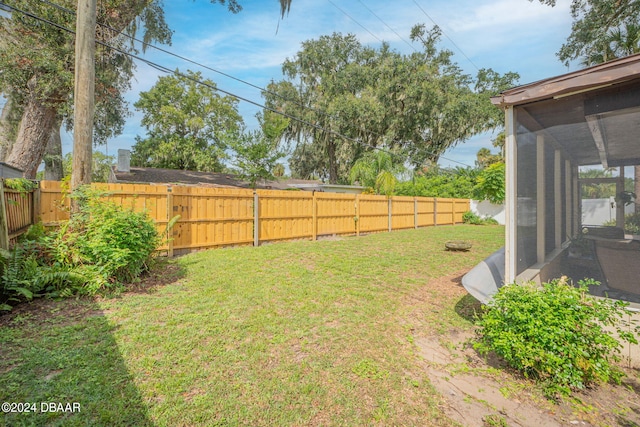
<point x="485" y="158"/>
<point x="37" y="63"/>
<point x="189" y="125"/>
<point x="257" y="152"/>
<point x="352" y="98"/>
<point x="593" y="21"/>
<point x="322" y="85"/>
<point x="490" y="183"/>
<point x="377" y="170"/>
<point x="100" y="166"/>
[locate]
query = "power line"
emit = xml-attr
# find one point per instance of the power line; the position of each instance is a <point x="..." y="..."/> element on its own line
<point x="445" y="34"/>
<point x="294" y="101"/>
<point x="394" y="31"/>
<point x="353" y="19"/>
<point x="167" y="70"/>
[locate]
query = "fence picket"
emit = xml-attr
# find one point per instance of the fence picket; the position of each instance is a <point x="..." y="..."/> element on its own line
<point x="215" y="217"/>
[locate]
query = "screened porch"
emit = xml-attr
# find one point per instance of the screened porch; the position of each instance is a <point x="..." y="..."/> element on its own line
<point x="571" y="147"/>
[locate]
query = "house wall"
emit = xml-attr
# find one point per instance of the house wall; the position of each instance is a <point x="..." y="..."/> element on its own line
<point x="484" y="209"/>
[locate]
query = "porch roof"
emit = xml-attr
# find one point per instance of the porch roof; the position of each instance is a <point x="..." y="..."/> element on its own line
<point x="592" y="114"/>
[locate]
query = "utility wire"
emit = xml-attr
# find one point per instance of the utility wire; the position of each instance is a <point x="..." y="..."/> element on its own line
<point x="213" y="87"/>
<point x="353" y="19"/>
<point x="294" y="101"/>
<point x="445" y="34"/>
<point x="385" y="24"/>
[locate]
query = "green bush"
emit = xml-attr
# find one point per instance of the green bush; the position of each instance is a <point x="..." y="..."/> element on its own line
<point x="631" y="223"/>
<point x="471" y="218"/>
<point x="100" y="247"/>
<point x="23" y="277"/>
<point x="491" y="184"/>
<point x="555" y="334"/>
<point x="118" y="242"/>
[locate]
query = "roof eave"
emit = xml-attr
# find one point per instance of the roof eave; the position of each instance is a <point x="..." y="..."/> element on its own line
<point x="598" y="76"/>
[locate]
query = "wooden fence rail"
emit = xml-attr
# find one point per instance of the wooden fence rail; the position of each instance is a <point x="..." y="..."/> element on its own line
<point x="215" y="217"/>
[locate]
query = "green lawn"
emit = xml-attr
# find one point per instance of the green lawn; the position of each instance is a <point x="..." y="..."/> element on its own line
<point x="298" y="333"/>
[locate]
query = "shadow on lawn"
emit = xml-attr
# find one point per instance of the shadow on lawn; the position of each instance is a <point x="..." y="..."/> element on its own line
<point x="64" y="352"/>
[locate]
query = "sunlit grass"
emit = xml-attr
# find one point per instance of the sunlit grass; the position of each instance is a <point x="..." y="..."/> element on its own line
<point x="299" y="333"/>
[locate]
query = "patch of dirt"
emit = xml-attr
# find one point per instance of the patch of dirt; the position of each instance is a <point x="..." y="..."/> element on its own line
<point x="69" y="311"/>
<point x="163" y="273"/>
<point x="481" y="392"/>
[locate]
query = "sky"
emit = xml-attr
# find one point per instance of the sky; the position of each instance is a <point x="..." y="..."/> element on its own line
<point x="505" y="35"/>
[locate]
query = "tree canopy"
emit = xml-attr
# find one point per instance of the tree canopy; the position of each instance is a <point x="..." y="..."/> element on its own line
<point x="256" y="153"/>
<point x="189" y="125"/>
<point x="593" y="23"/>
<point x="352" y="98"/>
<point x="37" y="60"/>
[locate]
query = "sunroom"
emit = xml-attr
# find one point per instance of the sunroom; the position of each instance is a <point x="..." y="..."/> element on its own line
<point x="572" y="142"/>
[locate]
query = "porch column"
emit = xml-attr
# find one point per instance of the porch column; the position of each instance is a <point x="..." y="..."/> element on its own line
<point x="620" y="206"/>
<point x="540" y="202"/>
<point x="577" y="206"/>
<point x="569" y="207"/>
<point x="557" y="193"/>
<point x="511" y="196"/>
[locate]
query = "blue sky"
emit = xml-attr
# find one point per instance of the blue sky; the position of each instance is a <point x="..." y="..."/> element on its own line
<point x="506" y="35"/>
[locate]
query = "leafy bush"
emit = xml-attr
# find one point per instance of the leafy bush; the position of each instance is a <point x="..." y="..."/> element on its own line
<point x="491" y="184"/>
<point x="118" y="242"/>
<point x="23" y="278"/>
<point x="555" y="334"/>
<point x="631" y="223"/>
<point x="471" y="218"/>
<point x="454" y="183"/>
<point x="99" y="247"/>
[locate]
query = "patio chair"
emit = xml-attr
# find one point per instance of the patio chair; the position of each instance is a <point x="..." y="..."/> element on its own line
<point x="619" y="260"/>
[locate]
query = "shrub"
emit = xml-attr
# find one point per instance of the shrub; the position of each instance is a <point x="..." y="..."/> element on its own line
<point x="471" y="218"/>
<point x="23" y="278"/>
<point x="118" y="242"/>
<point x="555" y="334"/>
<point x="98" y="248"/>
<point x="631" y="223"/>
<point x="491" y="183"/>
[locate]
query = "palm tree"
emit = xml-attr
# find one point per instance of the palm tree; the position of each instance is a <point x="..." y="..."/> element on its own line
<point x="376" y="170"/>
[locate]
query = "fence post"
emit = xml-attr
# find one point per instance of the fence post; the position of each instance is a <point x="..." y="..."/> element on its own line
<point x="435" y="211"/>
<point x="35" y="214"/>
<point x="357" y="217"/>
<point x="169" y="216"/>
<point x="415" y="212"/>
<point x="256" y="219"/>
<point x="390" y="215"/>
<point x="314" y="217"/>
<point x="4" y="231"/>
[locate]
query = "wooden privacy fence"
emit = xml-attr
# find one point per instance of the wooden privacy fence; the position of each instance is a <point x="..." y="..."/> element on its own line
<point x="214" y="217"/>
<point x="18" y="210"/>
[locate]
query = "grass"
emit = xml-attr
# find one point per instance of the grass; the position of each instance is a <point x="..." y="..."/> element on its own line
<point x="298" y="333"/>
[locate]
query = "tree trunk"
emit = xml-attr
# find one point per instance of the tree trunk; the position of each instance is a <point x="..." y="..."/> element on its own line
<point x="34" y="131"/>
<point x="333" y="164"/>
<point x="5" y="131"/>
<point x="53" y="155"/>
